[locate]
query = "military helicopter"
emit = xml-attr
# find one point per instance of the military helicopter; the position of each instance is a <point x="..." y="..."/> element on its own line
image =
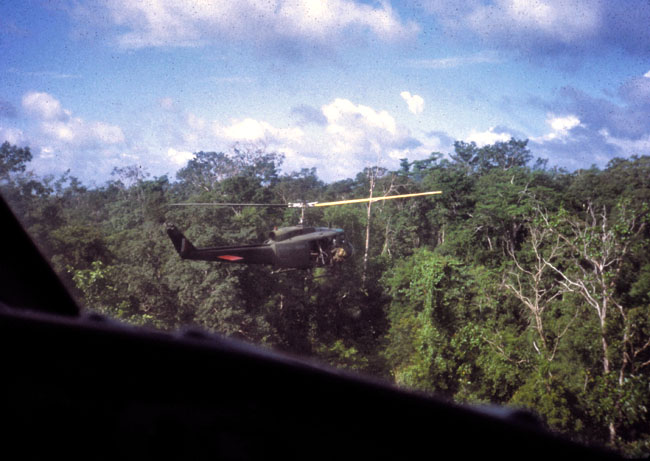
<point x="294" y="247"/>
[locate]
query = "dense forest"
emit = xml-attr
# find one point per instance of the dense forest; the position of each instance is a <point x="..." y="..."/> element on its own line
<point x="520" y="284"/>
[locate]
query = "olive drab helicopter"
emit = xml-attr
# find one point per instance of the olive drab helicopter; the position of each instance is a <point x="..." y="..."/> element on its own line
<point x="294" y="247"/>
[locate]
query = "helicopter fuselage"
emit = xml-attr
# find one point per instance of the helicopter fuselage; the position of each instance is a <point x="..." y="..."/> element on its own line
<point x="297" y="247"/>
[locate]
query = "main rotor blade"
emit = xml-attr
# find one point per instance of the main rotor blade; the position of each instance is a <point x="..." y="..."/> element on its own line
<point x="276" y="205"/>
<point x="375" y="199"/>
<point x="308" y="204"/>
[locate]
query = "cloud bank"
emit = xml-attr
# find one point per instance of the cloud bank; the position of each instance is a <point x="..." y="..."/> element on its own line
<point x="59" y="126"/>
<point x="62" y="140"/>
<point x="549" y="27"/>
<point x="339" y="138"/>
<point x="280" y="23"/>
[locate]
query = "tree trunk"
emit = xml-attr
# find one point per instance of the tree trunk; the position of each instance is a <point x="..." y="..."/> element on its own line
<point x="365" y="254"/>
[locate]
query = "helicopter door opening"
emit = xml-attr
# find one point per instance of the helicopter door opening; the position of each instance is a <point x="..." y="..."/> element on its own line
<point x="327" y="252"/>
<point x="321" y="252"/>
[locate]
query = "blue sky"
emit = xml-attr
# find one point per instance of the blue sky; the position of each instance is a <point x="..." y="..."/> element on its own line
<point x="337" y="85"/>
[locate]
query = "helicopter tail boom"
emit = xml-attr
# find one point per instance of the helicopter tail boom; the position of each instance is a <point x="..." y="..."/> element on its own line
<point x="247" y="254"/>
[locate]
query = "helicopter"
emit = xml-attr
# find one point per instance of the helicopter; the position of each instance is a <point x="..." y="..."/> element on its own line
<point x="293" y="247"/>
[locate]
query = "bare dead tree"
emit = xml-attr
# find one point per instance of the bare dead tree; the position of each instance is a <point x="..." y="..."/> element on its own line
<point x="373" y="175"/>
<point x="533" y="283"/>
<point x="598" y="246"/>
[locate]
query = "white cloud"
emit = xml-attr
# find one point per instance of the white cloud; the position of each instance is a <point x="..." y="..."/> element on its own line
<point x="58" y="124"/>
<point x="179" y="157"/>
<point x="342" y="112"/>
<point x="357" y="136"/>
<point x="245" y="130"/>
<point x="351" y="137"/>
<point x="483" y="138"/>
<point x="195" y="22"/>
<point x="560" y="127"/>
<point x="189" y="133"/>
<point x="358" y="128"/>
<point x="647" y="74"/>
<point x="77" y="132"/>
<point x="43" y="106"/>
<point x="105" y="133"/>
<point x="13" y="136"/>
<point x="563" y="124"/>
<point x="415" y="102"/>
<point x="64" y="141"/>
<point x="290" y="141"/>
<point x="250" y="130"/>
